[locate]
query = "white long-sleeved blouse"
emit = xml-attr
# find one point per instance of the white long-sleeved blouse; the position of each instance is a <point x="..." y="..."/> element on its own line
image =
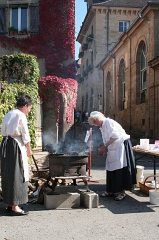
<point x="116" y="157"/>
<point x="15" y="124"/>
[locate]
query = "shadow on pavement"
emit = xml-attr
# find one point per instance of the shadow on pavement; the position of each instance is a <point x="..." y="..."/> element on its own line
<point x="126" y="206"/>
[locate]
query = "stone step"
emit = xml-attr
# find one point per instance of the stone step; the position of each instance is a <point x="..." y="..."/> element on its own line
<point x="62" y="201"/>
<point x="66" y="200"/>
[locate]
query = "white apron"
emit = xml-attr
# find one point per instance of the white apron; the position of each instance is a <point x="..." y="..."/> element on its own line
<point x="116" y="157"/>
<point x="24" y="156"/>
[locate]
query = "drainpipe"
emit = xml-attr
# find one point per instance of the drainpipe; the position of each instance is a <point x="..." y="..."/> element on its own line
<point x="155" y="108"/>
<point x="155" y="103"/>
<point x="130" y="84"/>
<point x="149" y="72"/>
<point x="63" y="127"/>
<point x="108" y="29"/>
<point x="103" y="90"/>
<point x="148" y="89"/>
<point x="114" y="78"/>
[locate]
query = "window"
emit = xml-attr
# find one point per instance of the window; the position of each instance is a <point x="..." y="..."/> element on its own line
<point x="86" y="105"/>
<point x="143" y="69"/>
<point x="87" y="64"/>
<point x="123" y="87"/>
<point x="143" y="73"/>
<point x="123" y="26"/>
<point x="82" y="70"/>
<point x="91" y="100"/>
<point x="92" y="58"/>
<point x="92" y="29"/>
<point x="19" y="16"/>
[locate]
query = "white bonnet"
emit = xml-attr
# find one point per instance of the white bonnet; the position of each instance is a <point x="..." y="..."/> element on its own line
<point x="96" y="113"/>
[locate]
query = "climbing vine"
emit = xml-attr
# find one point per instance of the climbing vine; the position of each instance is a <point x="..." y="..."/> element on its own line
<point x="19" y="74"/>
<point x="55" y="39"/>
<point x="49" y="89"/>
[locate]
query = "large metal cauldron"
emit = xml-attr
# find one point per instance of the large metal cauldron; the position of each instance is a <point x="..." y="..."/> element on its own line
<point x="67" y="165"/>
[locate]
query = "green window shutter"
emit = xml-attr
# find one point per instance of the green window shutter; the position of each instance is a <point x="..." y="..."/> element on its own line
<point x="34" y="17"/>
<point x="3" y="17"/>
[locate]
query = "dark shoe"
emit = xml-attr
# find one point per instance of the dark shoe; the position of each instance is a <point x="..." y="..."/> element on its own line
<point x="22" y="213"/>
<point x="9" y="209"/>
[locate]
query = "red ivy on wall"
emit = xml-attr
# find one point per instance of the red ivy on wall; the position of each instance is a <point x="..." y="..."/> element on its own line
<point x="50" y="87"/>
<point x="55" y="42"/>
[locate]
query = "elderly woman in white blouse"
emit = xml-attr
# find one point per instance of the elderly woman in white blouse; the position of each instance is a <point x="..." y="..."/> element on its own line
<point x="120" y="166"/>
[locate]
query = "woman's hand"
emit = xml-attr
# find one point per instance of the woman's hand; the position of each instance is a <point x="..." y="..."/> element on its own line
<point x="29" y="153"/>
<point x="102" y="150"/>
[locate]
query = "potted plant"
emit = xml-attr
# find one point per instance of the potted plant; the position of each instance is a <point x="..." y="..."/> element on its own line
<point x="81" y="54"/>
<point x="90" y="67"/>
<point x="24" y="31"/>
<point x="81" y="79"/>
<point x="90" y="38"/>
<point x="12" y="31"/>
<point x="85" y="74"/>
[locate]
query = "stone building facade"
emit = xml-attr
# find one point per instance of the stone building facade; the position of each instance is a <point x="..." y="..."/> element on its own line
<point x="106" y="21"/>
<point x="130" y="73"/>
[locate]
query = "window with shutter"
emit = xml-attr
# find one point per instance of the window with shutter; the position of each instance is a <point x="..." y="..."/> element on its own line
<point x="19" y="17"/>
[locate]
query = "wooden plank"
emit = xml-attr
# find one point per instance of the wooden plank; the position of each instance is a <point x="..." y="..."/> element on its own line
<point x="72" y="177"/>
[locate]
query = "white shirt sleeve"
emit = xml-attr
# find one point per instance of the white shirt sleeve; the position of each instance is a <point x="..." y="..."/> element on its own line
<point x="24" y="130"/>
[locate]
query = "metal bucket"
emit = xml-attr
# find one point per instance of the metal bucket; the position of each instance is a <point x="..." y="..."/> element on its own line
<point x="154" y="196"/>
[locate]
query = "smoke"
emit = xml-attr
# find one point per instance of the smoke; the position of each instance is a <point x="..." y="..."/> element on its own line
<point x="49" y="141"/>
<point x="71" y="143"/>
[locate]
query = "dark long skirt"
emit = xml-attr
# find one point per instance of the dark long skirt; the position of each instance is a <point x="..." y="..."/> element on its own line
<point x="14" y="189"/>
<point x="125" y="178"/>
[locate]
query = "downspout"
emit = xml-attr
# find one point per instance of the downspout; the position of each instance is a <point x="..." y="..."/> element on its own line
<point x="114" y="79"/>
<point x="149" y="72"/>
<point x="63" y="126"/>
<point x="155" y="104"/>
<point x="114" y="70"/>
<point x="103" y="91"/>
<point x="108" y="29"/>
<point x="130" y="83"/>
<point x="155" y="108"/>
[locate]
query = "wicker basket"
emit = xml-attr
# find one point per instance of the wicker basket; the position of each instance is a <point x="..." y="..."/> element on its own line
<point x="145" y="185"/>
